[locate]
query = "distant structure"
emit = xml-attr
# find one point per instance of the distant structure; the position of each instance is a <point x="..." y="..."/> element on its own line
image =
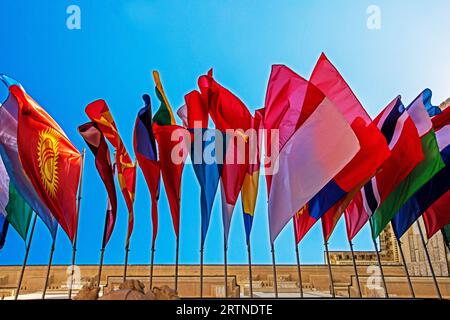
<point x="412" y="248"/>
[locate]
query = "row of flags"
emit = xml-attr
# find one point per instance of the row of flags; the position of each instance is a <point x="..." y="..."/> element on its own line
<point x="324" y="158"/>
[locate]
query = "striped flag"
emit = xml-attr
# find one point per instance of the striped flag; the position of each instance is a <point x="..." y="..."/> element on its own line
<point x="317" y="151"/>
<point x="404" y="142"/>
<point x="421" y="174"/>
<point x="431" y="191"/>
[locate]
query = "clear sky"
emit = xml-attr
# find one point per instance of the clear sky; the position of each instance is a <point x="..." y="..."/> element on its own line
<point x="120" y="42"/>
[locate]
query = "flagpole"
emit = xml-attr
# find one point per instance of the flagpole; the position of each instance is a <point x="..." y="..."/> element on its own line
<point x="74" y="247"/>
<point x="176" y="263"/>
<point x="105" y="230"/>
<point x="151" y="266"/>
<point x="125" y="266"/>
<point x="436" y="285"/>
<point x="201" y="269"/>
<point x="411" y="288"/>
<point x="274" y="266"/>
<point x="225" y="250"/>
<point x="447" y="246"/>
<point x="52" y="251"/>
<point x="297" y="254"/>
<point x="386" y="294"/>
<point x="355" y="268"/>
<point x="25" y="258"/>
<point x="330" y="274"/>
<point x="249" y="253"/>
<point x="102" y="250"/>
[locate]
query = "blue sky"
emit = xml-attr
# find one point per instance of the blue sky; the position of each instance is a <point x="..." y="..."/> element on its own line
<point x="120" y="42"/>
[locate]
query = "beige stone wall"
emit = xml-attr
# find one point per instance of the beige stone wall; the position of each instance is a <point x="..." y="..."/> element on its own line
<point x="315" y="280"/>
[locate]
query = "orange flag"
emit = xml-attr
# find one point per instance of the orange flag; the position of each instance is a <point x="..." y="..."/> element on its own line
<point x="99" y="113"/>
<point x="50" y="161"/>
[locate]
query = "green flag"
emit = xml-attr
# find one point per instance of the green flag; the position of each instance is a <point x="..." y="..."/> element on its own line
<point x="18" y="212"/>
<point x="164" y="115"/>
<point x="420" y="175"/>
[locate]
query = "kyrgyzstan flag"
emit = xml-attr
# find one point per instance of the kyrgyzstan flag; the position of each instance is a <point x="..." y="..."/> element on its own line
<point x="50" y="161"/>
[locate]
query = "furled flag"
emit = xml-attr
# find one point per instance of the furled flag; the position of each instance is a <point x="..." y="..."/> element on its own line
<point x="49" y="159"/>
<point x="404" y="142"/>
<point x="322" y="146"/>
<point x="9" y="152"/>
<point x="421" y="174"/>
<point x="170" y="137"/>
<point x="374" y="150"/>
<point x="438" y="215"/>
<point x="355" y="216"/>
<point x="203" y="142"/>
<point x="431" y="191"/>
<point x="249" y="192"/>
<point x="233" y="119"/>
<point x="3" y="230"/>
<point x="144" y="144"/>
<point x="99" y="113"/>
<point x="19" y="213"/>
<point x="98" y="146"/>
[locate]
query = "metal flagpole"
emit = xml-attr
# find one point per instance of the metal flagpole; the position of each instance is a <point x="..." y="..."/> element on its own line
<point x="105" y="229"/>
<point x="125" y="266"/>
<point x="411" y="289"/>
<point x="299" y="270"/>
<point x="355" y="268"/>
<point x="249" y="253"/>
<point x="201" y="269"/>
<point x="447" y="246"/>
<point x="386" y="294"/>
<point x="274" y="266"/>
<point x="102" y="250"/>
<point x="52" y="251"/>
<point x="333" y="294"/>
<point x="25" y="258"/>
<point x="151" y="266"/>
<point x="438" y="291"/>
<point x="74" y="247"/>
<point x="225" y="249"/>
<point x="176" y="262"/>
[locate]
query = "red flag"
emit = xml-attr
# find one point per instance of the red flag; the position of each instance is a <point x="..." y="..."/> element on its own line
<point x="145" y="149"/>
<point x="50" y="161"/>
<point x="99" y="113"/>
<point x="97" y="144"/>
<point x="374" y="149"/>
<point x="355" y="216"/>
<point x="172" y="151"/>
<point x="228" y="112"/>
<point x="438" y="215"/>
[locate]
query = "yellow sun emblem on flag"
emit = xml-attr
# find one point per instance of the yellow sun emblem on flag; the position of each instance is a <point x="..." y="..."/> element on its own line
<point x="48" y="153"/>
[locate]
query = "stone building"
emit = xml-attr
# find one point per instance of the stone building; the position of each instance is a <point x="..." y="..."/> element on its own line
<point x="315" y="278"/>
